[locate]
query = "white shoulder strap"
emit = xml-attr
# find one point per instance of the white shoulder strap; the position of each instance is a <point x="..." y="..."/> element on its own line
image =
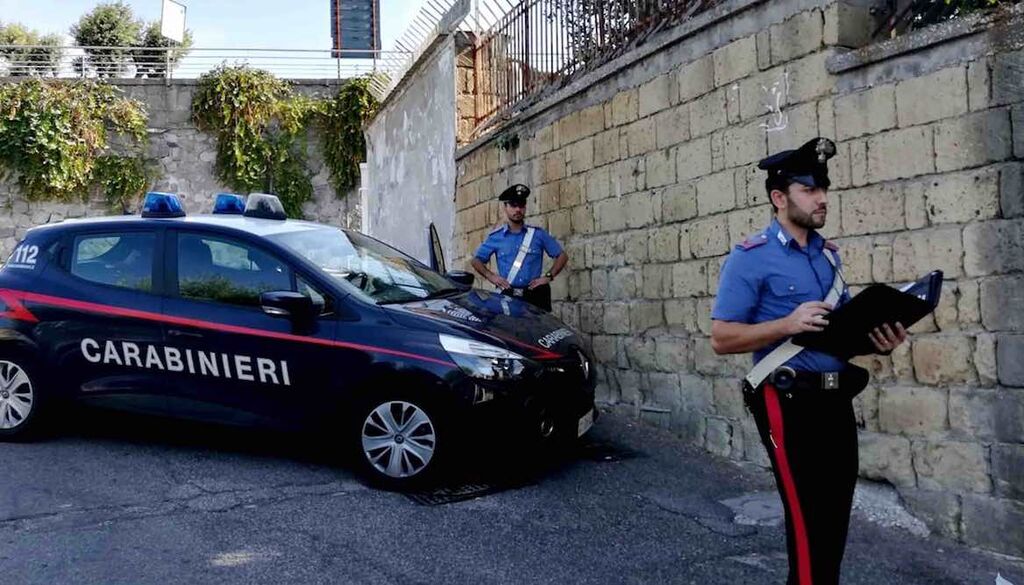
<point x="521" y="256"/>
<point x="789" y="350"/>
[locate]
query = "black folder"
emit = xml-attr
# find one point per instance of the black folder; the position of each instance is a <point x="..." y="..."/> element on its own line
<point x="846" y="334"/>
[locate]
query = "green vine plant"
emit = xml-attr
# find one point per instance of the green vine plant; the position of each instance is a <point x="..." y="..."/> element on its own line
<point x="262" y="127"/>
<point x="257" y="119"/>
<point x="56" y="137"/>
<point x="341" y="124"/>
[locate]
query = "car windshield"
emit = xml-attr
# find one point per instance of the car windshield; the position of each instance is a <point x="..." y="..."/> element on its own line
<point x="373" y="270"/>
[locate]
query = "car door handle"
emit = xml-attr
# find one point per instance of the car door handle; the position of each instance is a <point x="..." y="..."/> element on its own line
<point x="180" y="333"/>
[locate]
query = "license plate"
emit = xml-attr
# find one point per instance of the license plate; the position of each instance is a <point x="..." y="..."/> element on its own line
<point x="586" y="421"/>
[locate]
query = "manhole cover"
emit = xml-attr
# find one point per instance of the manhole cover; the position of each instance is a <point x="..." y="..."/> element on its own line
<point x="461" y="493"/>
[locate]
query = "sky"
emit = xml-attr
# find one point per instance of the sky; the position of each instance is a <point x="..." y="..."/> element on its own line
<point x="288" y="24"/>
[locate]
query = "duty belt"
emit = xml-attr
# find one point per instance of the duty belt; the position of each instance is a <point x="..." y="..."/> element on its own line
<point x="785" y="377"/>
<point x="847" y="382"/>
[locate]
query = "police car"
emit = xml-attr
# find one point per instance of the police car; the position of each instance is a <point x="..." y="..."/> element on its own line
<point x="244" y="317"/>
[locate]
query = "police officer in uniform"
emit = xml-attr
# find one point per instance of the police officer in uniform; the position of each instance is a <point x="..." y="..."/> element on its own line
<point x="780" y="282"/>
<point x="520" y="249"/>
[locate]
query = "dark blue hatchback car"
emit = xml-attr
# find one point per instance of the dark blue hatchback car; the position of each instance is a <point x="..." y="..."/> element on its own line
<point x="244" y="317"/>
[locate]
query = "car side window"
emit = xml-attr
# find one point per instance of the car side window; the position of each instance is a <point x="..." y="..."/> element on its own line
<point x="124" y="260"/>
<point x="227" y="271"/>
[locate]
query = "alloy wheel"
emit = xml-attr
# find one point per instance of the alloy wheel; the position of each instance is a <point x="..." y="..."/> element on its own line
<point x="399" y="439"/>
<point x="16" y="396"/>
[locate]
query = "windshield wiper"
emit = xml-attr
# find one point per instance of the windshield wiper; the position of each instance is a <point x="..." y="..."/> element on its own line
<point x="437" y="294"/>
<point x="443" y="292"/>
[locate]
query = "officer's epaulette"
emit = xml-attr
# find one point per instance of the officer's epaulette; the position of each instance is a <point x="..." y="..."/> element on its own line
<point x="500" y="227"/>
<point x="831" y="246"/>
<point x="753" y="242"/>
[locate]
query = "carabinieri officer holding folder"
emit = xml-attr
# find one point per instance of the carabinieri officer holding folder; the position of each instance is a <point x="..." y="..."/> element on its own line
<point x="779" y="283"/>
<point x="520" y="249"/>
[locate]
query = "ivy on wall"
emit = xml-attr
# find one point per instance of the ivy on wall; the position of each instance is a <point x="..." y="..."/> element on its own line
<point x="262" y="126"/>
<point x="55" y="135"/>
<point x="341" y="132"/>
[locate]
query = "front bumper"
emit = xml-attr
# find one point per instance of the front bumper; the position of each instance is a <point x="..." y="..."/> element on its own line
<point x="548" y="403"/>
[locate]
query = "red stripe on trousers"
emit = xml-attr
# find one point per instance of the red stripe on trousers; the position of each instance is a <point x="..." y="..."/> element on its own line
<point x="803" y="551"/>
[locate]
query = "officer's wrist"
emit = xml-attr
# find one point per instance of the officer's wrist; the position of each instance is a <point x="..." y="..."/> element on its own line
<point x="548" y="275"/>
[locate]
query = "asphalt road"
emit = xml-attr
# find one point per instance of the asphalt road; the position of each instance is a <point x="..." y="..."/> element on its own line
<point x="126" y="499"/>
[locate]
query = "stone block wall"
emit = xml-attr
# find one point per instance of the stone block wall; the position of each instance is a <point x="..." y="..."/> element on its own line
<point x="183" y="159"/>
<point x="646" y="171"/>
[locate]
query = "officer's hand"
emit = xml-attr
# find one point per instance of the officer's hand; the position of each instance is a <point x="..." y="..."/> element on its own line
<point x="539" y="282"/>
<point x="500" y="282"/>
<point x="809" y="316"/>
<point x="887" y="337"/>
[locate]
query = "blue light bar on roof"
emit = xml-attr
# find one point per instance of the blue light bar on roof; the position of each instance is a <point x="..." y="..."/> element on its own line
<point x="229" y="203"/>
<point x="162" y="205"/>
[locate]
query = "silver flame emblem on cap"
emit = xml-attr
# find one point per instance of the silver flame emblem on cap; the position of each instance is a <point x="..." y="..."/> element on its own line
<point x="825" y="149"/>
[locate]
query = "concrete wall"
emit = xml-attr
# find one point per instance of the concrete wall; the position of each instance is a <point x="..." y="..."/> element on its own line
<point x="410" y="156"/>
<point x="183" y="159"/>
<point x="645" y="169"/>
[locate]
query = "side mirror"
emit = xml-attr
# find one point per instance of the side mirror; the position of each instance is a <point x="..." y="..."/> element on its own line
<point x="289" y="305"/>
<point x="462" y="277"/>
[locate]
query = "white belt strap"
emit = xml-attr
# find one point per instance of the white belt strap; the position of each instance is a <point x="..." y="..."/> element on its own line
<point x="521" y="256"/>
<point x="789" y="350"/>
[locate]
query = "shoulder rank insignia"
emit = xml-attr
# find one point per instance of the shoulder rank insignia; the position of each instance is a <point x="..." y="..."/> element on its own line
<point x="753" y="242"/>
<point x="831" y="246"/>
<point x="496" y="230"/>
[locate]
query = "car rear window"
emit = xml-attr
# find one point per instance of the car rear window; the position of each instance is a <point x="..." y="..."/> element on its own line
<point x="123" y="260"/>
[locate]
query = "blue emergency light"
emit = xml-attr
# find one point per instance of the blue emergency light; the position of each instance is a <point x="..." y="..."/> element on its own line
<point x="162" y="205"/>
<point x="229" y="204"/>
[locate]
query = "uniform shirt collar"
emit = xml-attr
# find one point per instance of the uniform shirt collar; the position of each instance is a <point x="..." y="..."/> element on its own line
<point x="814" y="240"/>
<point x="505" y="230"/>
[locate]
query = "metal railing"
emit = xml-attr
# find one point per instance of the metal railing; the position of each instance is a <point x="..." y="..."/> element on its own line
<point x="171" y="63"/>
<point x="897" y="17"/>
<point x="437" y="17"/>
<point x="544" y="44"/>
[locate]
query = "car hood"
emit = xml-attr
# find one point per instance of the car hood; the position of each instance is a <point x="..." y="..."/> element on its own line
<point x="494" y="318"/>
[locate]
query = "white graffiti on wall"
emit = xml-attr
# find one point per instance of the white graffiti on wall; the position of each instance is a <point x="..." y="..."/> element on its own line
<point x="774" y="101"/>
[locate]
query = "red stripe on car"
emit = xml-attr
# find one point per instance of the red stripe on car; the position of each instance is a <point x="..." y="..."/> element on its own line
<point x="13" y="298"/>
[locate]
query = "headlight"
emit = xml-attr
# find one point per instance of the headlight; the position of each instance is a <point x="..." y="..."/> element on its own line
<point x="482" y="360"/>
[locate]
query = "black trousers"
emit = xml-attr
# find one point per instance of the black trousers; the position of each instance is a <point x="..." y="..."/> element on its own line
<point x="539" y="297"/>
<point x="811" y="438"/>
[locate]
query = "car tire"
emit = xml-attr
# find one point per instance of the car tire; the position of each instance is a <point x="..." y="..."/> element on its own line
<point x="22" y="404"/>
<point x="400" y="441"/>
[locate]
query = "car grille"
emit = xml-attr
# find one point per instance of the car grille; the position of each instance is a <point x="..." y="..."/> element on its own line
<point x="577" y="369"/>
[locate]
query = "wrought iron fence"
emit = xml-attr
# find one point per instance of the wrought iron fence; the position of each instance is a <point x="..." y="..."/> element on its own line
<point x="897" y="17"/>
<point x="436" y="17"/>
<point x="174" y="62"/>
<point x="543" y="44"/>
